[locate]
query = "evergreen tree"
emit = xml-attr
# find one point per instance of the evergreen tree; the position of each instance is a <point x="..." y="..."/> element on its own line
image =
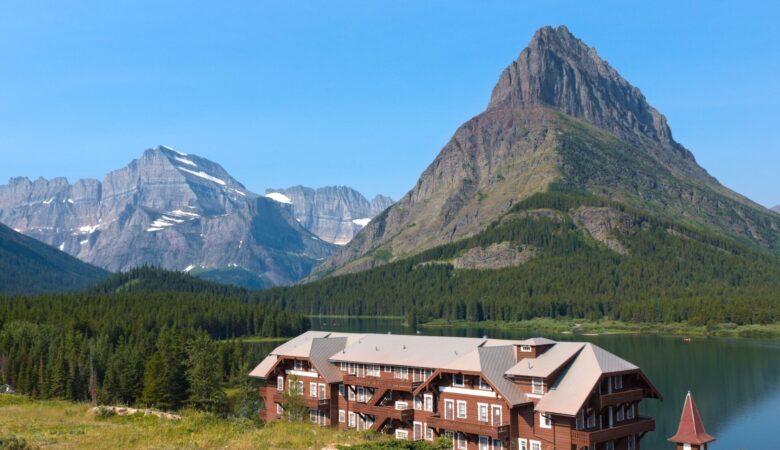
<point x="204" y="374"/>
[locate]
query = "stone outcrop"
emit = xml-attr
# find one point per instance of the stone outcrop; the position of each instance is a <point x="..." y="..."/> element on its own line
<point x="494" y="256"/>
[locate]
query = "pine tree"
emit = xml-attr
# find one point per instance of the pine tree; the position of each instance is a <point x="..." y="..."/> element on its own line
<point x="204" y="374"/>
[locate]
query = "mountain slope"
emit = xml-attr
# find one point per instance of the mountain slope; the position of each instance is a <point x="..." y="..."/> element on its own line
<point x="167" y="209"/>
<point x="334" y="213"/>
<point x="559" y="115"/>
<point x="28" y="266"/>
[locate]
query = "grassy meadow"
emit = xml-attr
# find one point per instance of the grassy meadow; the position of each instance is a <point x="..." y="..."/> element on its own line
<point x="61" y="424"/>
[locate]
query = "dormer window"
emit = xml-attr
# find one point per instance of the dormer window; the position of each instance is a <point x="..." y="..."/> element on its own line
<point x="483" y="385"/>
<point x="525" y="348"/>
<point x="298" y="364"/>
<point x="617" y="382"/>
<point x="458" y="380"/>
<point x="537" y="385"/>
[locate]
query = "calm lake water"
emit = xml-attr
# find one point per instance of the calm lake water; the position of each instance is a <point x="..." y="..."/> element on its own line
<point x="736" y="382"/>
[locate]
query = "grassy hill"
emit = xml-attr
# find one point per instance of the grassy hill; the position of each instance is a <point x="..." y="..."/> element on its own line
<point x="31" y="267"/>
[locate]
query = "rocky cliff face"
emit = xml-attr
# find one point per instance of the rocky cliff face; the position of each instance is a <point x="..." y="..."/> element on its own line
<point x="167" y="209"/>
<point x="559" y="117"/>
<point x="334" y="213"/>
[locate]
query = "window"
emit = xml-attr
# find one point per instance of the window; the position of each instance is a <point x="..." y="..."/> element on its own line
<point x="621" y="413"/>
<point x="298" y="364"/>
<point x="387" y="369"/>
<point x="537" y="385"/>
<point x="352" y="422"/>
<point x="545" y="420"/>
<point x="351" y="369"/>
<point x="373" y="370"/>
<point x="580" y="419"/>
<point x="630" y="411"/>
<point x="314" y="416"/>
<point x="342" y="390"/>
<point x="350" y="394"/>
<point x="401" y="405"/>
<point x="279" y="410"/>
<point x="482" y="412"/>
<point x="462" y="441"/>
<point x="458" y="380"/>
<point x="483" y="385"/>
<point x="418" y="404"/>
<point x="525" y="348"/>
<point x="497" y="445"/>
<point x="343" y="366"/>
<point x="402" y="434"/>
<point x="428" y="402"/>
<point x="296" y="387"/>
<point x="617" y="381"/>
<point x="361" y="394"/>
<point x="496" y="415"/>
<point x="610" y="445"/>
<point x="522" y="444"/>
<point x="342" y="416"/>
<point x="401" y="373"/>
<point x="448" y="407"/>
<point x="592" y="419"/>
<point x="280" y="383"/>
<point x="313" y="390"/>
<point x="632" y="442"/>
<point x="536" y="445"/>
<point x="461" y="409"/>
<point x="484" y="443"/>
<point x="428" y="434"/>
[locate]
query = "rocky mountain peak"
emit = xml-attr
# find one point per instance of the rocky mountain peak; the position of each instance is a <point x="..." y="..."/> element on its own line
<point x="558" y="70"/>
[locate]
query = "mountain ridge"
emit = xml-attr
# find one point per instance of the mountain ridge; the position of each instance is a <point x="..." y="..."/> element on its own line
<point x="559" y="114"/>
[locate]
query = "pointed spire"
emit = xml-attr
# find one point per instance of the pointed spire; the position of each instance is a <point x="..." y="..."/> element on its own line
<point x="691" y="429"/>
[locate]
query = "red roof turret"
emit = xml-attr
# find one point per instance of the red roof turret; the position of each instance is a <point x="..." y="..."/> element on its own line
<point x="691" y="429"/>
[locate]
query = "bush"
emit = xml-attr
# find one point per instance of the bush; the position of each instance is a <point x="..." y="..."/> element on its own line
<point x="11" y="442"/>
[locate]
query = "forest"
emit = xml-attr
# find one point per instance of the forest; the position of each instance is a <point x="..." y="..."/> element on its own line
<point x="157" y="349"/>
<point x="671" y="273"/>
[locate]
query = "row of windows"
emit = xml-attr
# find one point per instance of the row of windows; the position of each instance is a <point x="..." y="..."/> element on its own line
<point x="619" y="414"/>
<point x="459" y="380"/>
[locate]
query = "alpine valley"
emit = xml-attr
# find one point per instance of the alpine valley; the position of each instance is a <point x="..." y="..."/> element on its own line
<point x="180" y="212"/>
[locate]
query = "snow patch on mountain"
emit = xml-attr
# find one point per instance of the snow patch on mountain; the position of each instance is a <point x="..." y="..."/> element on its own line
<point x="182" y="160"/>
<point x="361" y="222"/>
<point x="203" y="175"/>
<point x="279" y="197"/>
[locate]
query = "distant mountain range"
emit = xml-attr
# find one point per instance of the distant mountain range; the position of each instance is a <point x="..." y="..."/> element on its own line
<point x="172" y="210"/>
<point x="31" y="267"/>
<point x="776" y="208"/>
<point x="334" y="213"/>
<point x="559" y="118"/>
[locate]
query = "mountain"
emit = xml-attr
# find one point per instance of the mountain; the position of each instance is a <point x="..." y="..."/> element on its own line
<point x="334" y="213"/>
<point x="171" y="210"/>
<point x="776" y="208"/>
<point x="28" y="266"/>
<point x="559" y="118"/>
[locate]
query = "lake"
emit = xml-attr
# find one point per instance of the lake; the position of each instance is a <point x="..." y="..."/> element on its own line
<point x="736" y="382"/>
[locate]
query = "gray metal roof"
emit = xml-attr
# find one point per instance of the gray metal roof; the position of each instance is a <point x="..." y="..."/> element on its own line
<point x="495" y="361"/>
<point x="321" y="350"/>
<point x="548" y="362"/>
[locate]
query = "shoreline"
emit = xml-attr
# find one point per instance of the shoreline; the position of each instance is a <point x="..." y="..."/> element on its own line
<point x="614" y="327"/>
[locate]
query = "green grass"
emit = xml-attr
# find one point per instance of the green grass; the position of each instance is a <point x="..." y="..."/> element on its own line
<point x="589" y="327"/>
<point x="61" y="424"/>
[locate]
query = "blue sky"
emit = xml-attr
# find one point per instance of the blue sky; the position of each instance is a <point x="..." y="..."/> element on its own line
<point x="358" y="93"/>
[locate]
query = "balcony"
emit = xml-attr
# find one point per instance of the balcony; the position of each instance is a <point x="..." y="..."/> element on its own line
<point x="373" y="382"/>
<point x="617" y="398"/>
<point x="583" y="438"/>
<point x="274" y="396"/>
<point x="389" y="412"/>
<point x="316" y="403"/>
<point x="465" y="426"/>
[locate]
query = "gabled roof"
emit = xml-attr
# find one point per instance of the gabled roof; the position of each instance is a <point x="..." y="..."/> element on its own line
<point x="548" y="362"/>
<point x="691" y="429"/>
<point x="321" y="350"/>
<point x="578" y="379"/>
<point x="494" y="362"/>
<point x="316" y="346"/>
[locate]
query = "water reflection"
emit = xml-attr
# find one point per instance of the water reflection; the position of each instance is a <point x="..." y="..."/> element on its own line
<point x="736" y="382"/>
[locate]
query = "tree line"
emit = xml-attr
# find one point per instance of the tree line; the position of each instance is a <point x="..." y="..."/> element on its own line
<point x="156" y="349"/>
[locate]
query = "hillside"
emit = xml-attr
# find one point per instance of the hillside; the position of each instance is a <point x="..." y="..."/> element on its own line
<point x="563" y="254"/>
<point x="31" y="267"/>
<point x="559" y="115"/>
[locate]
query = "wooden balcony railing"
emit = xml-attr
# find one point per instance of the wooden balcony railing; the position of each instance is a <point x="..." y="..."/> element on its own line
<point x="583" y="438"/>
<point x="616" y="398"/>
<point x="465" y="426"/>
<point x="373" y="382"/>
<point x="383" y="412"/>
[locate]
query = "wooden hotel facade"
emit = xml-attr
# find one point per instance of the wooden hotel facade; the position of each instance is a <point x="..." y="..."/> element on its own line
<point x="484" y="394"/>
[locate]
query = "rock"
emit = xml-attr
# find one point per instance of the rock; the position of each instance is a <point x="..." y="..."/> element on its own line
<point x="495" y="256"/>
